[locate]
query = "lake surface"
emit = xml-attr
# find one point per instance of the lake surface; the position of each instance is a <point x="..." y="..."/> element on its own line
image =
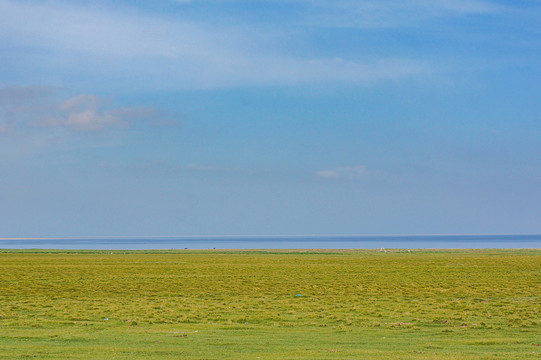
<point x="281" y="242"/>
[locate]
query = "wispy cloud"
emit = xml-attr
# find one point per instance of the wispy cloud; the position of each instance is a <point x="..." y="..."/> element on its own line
<point x="153" y="50"/>
<point x="166" y="167"/>
<point x="89" y="113"/>
<point x="16" y="101"/>
<point x="19" y="94"/>
<point x="348" y="172"/>
<point x="213" y="168"/>
<point x="6" y="128"/>
<point x="24" y="107"/>
<point x="393" y="13"/>
<point x="370" y="13"/>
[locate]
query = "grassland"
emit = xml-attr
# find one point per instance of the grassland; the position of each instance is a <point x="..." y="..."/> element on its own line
<point x="482" y="304"/>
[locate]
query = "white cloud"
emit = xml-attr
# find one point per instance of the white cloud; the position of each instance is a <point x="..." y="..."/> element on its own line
<point x="349" y="172"/>
<point x="24" y="107"/>
<point x="81" y="102"/>
<point x="92" y="120"/>
<point x="87" y="113"/>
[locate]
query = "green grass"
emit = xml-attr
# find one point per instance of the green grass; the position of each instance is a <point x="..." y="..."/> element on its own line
<point x="460" y="304"/>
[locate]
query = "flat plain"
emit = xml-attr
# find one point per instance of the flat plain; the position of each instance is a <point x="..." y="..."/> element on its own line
<point x="313" y="304"/>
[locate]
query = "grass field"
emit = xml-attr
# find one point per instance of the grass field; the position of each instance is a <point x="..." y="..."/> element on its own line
<point x="461" y="304"/>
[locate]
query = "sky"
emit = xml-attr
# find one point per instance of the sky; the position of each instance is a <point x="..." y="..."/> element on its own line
<point x="277" y="117"/>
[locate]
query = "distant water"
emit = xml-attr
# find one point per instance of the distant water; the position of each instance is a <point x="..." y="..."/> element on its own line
<point x="282" y="242"/>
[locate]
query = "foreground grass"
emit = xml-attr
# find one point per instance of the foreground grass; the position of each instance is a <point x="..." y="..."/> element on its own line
<point x="482" y="304"/>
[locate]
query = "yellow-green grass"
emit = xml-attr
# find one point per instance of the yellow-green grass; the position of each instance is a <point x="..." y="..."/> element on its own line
<point x="460" y="304"/>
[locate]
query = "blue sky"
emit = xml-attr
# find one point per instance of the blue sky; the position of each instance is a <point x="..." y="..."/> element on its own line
<point x="269" y="117"/>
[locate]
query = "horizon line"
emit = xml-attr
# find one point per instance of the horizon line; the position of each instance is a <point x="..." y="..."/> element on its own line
<point x="255" y="236"/>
